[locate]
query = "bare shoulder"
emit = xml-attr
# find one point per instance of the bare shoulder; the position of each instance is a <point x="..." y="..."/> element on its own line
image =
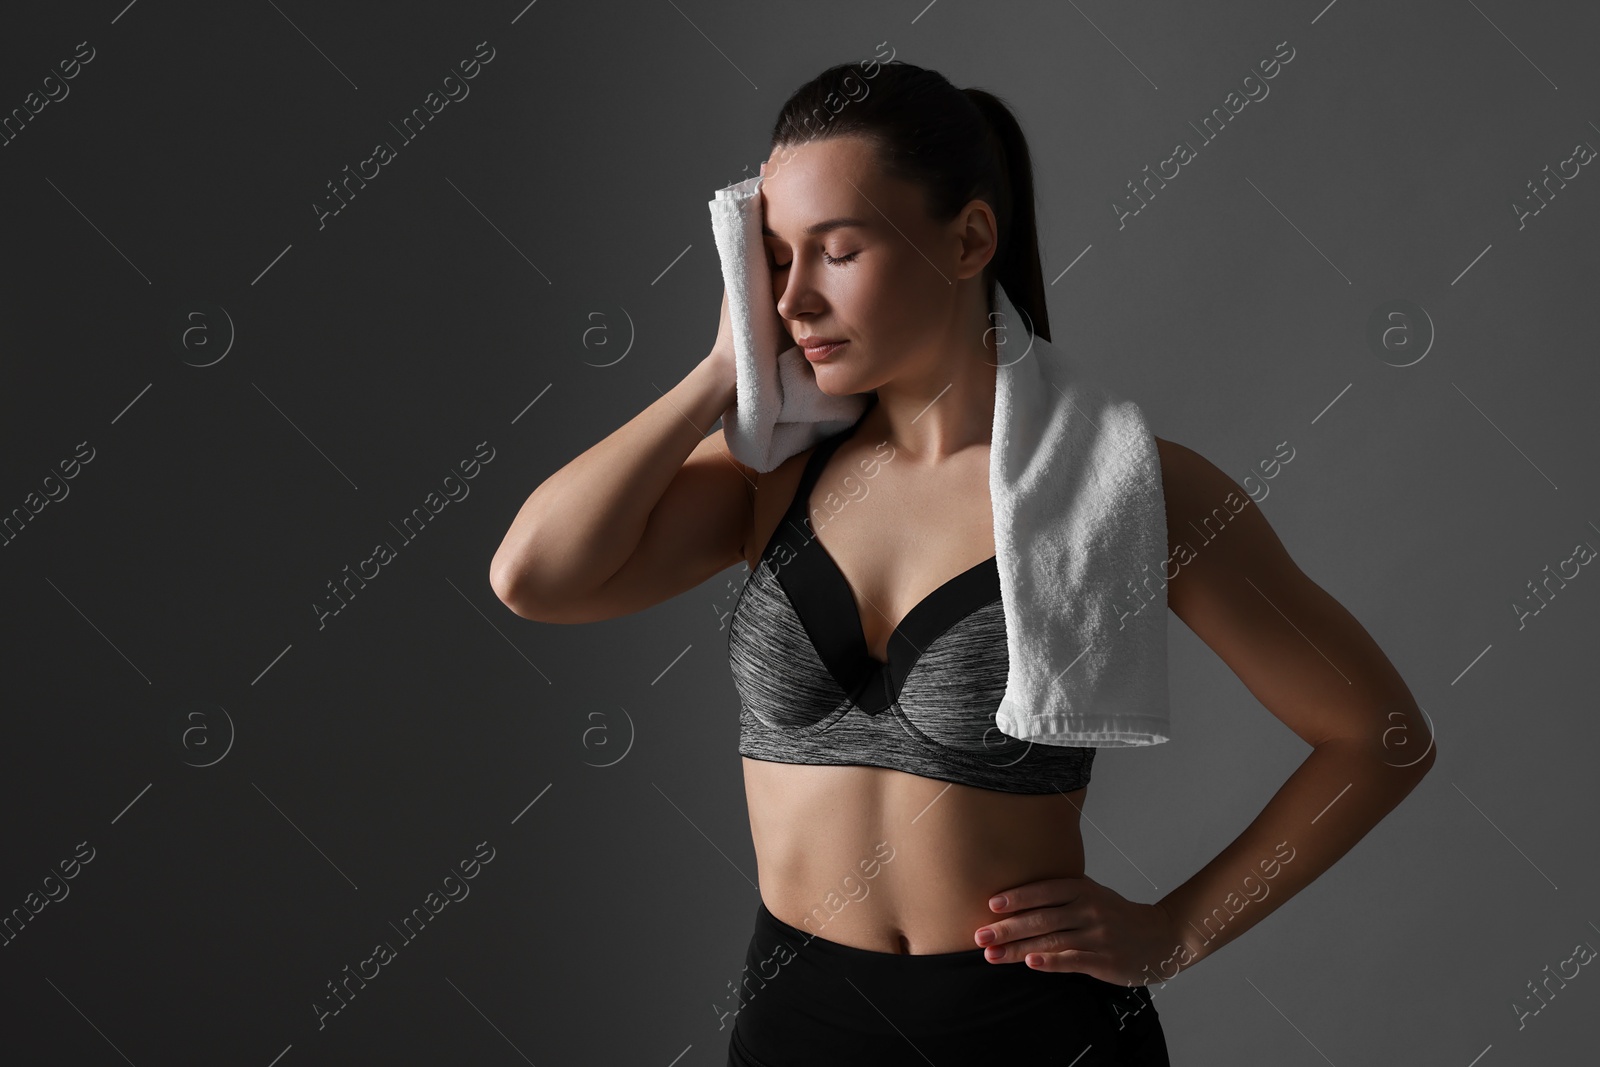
<point x="1216" y="534"/>
<point x="1189" y="479"/>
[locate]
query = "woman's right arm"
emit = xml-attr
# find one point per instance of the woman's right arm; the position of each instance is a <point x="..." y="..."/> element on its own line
<point x="651" y="511"/>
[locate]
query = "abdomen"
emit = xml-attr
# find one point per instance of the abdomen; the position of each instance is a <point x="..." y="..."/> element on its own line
<point x="885" y="860"/>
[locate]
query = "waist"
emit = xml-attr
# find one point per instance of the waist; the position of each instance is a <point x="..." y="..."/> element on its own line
<point x="891" y="862"/>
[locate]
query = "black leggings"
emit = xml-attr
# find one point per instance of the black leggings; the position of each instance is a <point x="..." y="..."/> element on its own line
<point x="806" y="1001"/>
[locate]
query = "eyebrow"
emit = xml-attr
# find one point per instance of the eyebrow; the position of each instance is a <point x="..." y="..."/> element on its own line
<point x="816" y="229"/>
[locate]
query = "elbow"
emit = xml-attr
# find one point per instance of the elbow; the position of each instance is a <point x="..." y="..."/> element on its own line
<point x="523" y="587"/>
<point x="530" y="578"/>
<point x="1414" y="767"/>
<point x="1407" y="743"/>
<point x="1425" y="764"/>
<point x="508" y="577"/>
<point x="1430" y="754"/>
<point x="503" y="580"/>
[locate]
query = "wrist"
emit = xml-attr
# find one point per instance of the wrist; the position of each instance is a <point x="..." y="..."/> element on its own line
<point x="721" y="366"/>
<point x="711" y="385"/>
<point x="1180" y="952"/>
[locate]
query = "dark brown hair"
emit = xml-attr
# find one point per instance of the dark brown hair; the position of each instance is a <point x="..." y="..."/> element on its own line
<point x="957" y="144"/>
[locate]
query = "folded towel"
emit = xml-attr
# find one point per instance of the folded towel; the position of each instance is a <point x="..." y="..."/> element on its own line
<point x="778" y="409"/>
<point x="1075" y="483"/>
<point x="1080" y="533"/>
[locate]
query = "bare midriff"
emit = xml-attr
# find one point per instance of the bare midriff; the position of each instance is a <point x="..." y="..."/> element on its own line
<point x="888" y="861"/>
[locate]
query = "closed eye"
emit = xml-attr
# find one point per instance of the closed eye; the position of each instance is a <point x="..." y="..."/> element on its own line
<point x="826" y="258"/>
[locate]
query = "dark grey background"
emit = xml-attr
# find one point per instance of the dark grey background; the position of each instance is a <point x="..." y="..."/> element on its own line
<point x="264" y="797"/>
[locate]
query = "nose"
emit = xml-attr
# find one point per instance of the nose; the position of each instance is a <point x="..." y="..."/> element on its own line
<point x="792" y="290"/>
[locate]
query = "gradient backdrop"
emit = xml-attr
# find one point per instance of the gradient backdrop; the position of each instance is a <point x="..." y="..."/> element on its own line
<point x="224" y="386"/>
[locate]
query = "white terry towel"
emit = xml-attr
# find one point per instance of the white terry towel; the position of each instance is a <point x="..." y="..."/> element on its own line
<point x="1079" y="515"/>
<point x="1080" y="533"/>
<point x="778" y="409"/>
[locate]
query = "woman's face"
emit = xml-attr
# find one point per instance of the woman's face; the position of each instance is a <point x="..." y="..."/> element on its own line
<point x="882" y="280"/>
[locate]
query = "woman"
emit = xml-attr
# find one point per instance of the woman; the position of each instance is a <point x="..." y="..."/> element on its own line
<point x="919" y="903"/>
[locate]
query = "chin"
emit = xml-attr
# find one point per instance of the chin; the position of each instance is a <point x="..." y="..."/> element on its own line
<point x="825" y="375"/>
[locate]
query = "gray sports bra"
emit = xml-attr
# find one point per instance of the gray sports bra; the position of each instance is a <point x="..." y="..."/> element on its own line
<point x="810" y="692"/>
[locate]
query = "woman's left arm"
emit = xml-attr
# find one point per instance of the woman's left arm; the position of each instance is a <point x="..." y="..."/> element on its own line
<point x="1312" y="665"/>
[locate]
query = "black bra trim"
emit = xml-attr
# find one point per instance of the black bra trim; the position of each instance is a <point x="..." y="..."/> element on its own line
<point x="818" y="590"/>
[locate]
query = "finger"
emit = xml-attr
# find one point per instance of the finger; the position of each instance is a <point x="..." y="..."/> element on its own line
<point x="1070" y="960"/>
<point x="1035" y="894"/>
<point x="1055" y="941"/>
<point x="1034" y="925"/>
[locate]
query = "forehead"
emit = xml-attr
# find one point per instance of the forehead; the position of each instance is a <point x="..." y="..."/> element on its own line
<point x="816" y="182"/>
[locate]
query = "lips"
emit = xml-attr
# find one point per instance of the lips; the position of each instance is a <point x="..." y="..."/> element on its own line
<point x="819" y="350"/>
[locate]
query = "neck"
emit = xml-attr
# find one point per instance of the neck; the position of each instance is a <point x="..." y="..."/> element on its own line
<point x="940" y="413"/>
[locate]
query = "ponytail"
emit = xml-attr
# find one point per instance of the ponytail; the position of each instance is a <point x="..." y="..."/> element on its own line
<point x="1016" y="263"/>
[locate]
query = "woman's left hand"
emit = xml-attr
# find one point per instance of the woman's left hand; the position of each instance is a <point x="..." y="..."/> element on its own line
<point x="1077" y="924"/>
